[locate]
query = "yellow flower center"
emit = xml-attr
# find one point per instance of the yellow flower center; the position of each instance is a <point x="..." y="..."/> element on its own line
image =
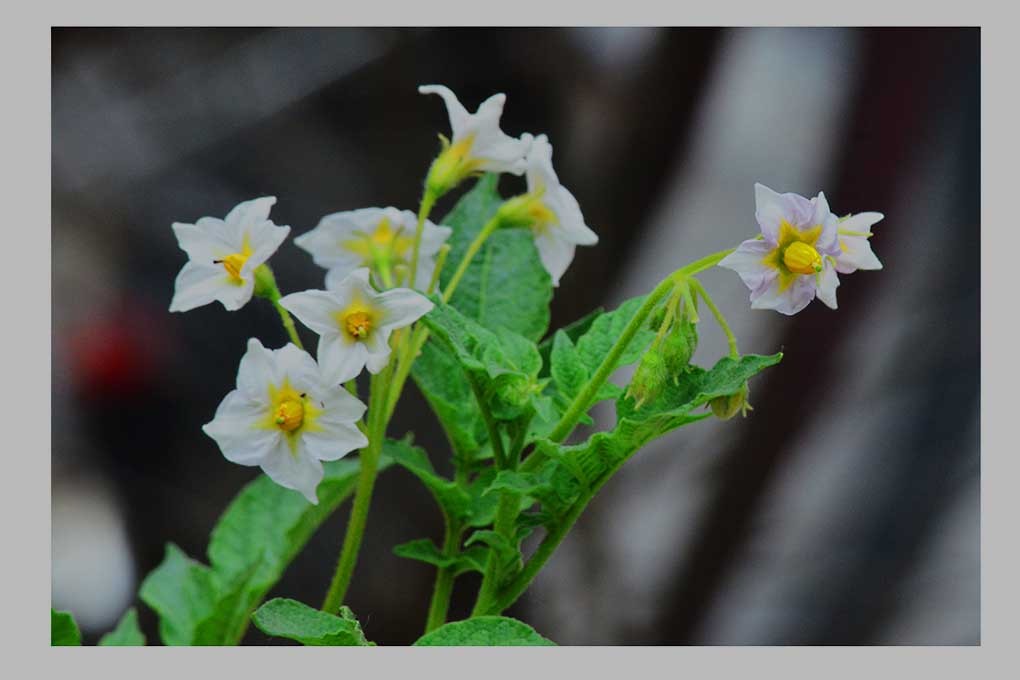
<point x="801" y="258"/>
<point x="385" y="243"/>
<point x="234" y="262"/>
<point x="290" y="414"/>
<point x="795" y="253"/>
<point x="358" y="324"/>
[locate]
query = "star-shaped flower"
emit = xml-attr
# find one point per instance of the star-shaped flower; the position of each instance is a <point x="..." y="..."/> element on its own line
<point x="381" y="239"/>
<point x="223" y="255"/>
<point x="854" y="247"/>
<point x="354" y="322"/>
<point x="286" y="418"/>
<point x="794" y="259"/>
<point x="551" y="212"/>
<point x="478" y="144"/>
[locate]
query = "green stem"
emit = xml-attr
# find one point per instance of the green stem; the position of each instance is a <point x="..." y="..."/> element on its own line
<point x="730" y="338"/>
<point x="428" y="200"/>
<point x="443" y="588"/>
<point x="362" y="500"/>
<point x="469" y="255"/>
<point x="288" y="322"/>
<point x="506" y="513"/>
<point x="704" y="263"/>
<point x="507" y="596"/>
<point x="583" y="400"/>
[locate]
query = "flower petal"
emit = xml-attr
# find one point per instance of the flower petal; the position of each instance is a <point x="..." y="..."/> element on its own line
<point x="315" y="309"/>
<point x="257" y="371"/>
<point x="459" y="117"/>
<point x="556" y="253"/>
<point x="794" y="298"/>
<point x="234" y="428"/>
<point x="205" y="241"/>
<point x="265" y="238"/>
<point x="334" y="440"/>
<point x="770" y="210"/>
<point x="402" y="307"/>
<point x="292" y="469"/>
<point x="198" y="284"/>
<point x="826" y="286"/>
<point x="748" y="260"/>
<point x="250" y="212"/>
<point x="855" y="253"/>
<point x="299" y="367"/>
<point x="340" y="359"/>
<point x="341" y="404"/>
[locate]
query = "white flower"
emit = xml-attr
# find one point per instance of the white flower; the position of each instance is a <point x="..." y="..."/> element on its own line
<point x="223" y="255"/>
<point x="854" y="248"/>
<point x="354" y="322"/>
<point x="381" y="238"/>
<point x="286" y="418"/>
<point x="478" y="144"/>
<point x="555" y="217"/>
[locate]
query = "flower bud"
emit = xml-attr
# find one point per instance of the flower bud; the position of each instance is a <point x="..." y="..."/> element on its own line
<point x="678" y="347"/>
<point x="649" y="378"/>
<point x="727" y="406"/>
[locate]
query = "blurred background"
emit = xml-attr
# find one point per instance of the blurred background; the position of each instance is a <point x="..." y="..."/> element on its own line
<point x="843" y="510"/>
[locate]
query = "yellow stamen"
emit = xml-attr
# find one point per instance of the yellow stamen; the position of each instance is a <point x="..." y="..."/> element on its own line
<point x="234" y="262"/>
<point x="358" y="324"/>
<point x="290" y="414"/>
<point x="800" y="258"/>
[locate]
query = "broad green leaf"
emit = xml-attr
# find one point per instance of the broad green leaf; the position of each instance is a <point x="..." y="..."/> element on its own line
<point x="126" y="634"/>
<point x="493" y="631"/>
<point x="63" y="630"/>
<point x="502" y="366"/>
<point x="260" y="533"/>
<point x="285" y="618"/>
<point x="574" y="360"/>
<point x="444" y="385"/>
<point x="594" y="460"/>
<point x="454" y="500"/>
<point x="506" y="285"/>
<point x="574" y="330"/>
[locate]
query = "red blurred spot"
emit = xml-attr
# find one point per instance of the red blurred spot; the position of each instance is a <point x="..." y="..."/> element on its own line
<point x="114" y="354"/>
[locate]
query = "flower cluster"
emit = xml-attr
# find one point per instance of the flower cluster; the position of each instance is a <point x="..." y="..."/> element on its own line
<point x="289" y="412"/>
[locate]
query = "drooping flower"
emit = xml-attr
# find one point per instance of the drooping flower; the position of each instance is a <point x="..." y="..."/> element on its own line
<point x="286" y="418"/>
<point x="854" y="248"/>
<point x="794" y="259"/>
<point x="354" y="322"/>
<point x="223" y="255"/>
<point x="549" y="210"/>
<point x="381" y="239"/>
<point x="478" y="144"/>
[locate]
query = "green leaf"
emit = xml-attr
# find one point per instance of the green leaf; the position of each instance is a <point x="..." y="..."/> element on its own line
<point x="506" y="285"/>
<point x="502" y="366"/>
<point x="285" y="618"/>
<point x="593" y="461"/>
<point x="494" y="631"/>
<point x="573" y="330"/>
<point x="126" y="634"/>
<point x="454" y="500"/>
<point x="260" y="533"/>
<point x="424" y="550"/>
<point x="574" y="360"/>
<point x="444" y="385"/>
<point x="63" y="630"/>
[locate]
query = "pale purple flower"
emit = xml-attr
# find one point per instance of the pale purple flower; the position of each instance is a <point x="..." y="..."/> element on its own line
<point x="794" y="261"/>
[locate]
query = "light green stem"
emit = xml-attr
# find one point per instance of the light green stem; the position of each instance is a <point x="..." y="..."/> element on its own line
<point x="428" y="200"/>
<point x="469" y="255"/>
<point x="445" y="576"/>
<point x="731" y="339"/>
<point x="506" y="513"/>
<point x="362" y="499"/>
